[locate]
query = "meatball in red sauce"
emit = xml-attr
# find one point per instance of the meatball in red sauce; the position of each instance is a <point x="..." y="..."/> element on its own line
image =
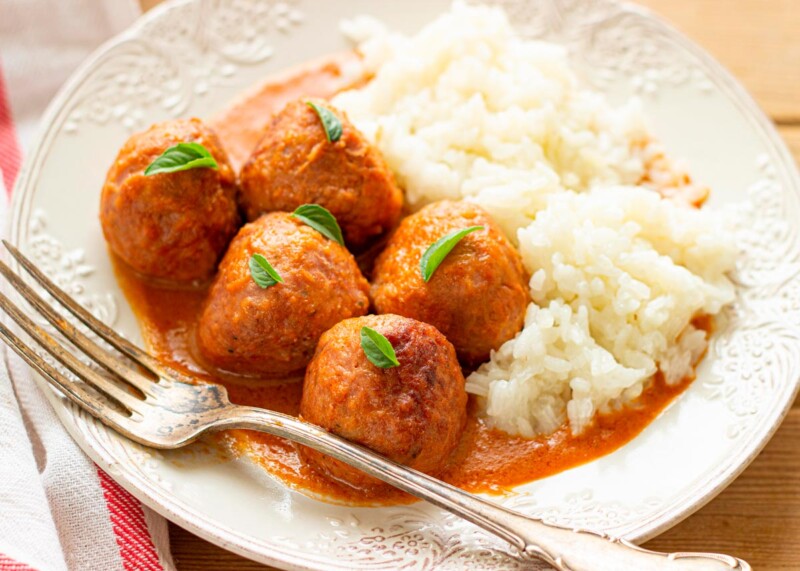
<point x="413" y="413"/>
<point x="296" y="164"/>
<point x="478" y="295"/>
<point x="272" y="332"/>
<point x="170" y="226"/>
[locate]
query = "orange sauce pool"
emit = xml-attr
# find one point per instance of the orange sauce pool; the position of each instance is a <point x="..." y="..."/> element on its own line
<point x="486" y="460"/>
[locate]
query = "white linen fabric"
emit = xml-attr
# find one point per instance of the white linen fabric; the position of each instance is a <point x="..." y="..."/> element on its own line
<point x="43" y="41"/>
<point x="58" y="511"/>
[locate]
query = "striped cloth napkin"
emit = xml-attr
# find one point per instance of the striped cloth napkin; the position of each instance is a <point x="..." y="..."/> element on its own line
<point x="58" y="511"/>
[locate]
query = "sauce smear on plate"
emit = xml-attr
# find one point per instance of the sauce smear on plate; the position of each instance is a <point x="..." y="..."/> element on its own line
<point x="486" y="460"/>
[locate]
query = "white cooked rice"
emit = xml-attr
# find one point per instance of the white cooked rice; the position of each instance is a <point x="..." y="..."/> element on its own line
<point x="614" y="294"/>
<point x="466" y="109"/>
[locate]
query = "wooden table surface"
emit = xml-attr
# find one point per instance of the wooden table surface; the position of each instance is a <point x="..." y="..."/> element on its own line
<point x="758" y="516"/>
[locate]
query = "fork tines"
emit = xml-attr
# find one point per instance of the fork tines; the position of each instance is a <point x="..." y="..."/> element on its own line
<point x="118" y="367"/>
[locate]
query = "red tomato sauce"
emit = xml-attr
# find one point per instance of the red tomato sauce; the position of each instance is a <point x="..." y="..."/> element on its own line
<point x="487" y="460"/>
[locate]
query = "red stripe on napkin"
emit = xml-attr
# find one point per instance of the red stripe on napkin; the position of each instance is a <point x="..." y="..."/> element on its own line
<point x="127" y="519"/>
<point x="10" y="156"/>
<point x="9" y="163"/>
<point x="136" y="547"/>
<point x="8" y="564"/>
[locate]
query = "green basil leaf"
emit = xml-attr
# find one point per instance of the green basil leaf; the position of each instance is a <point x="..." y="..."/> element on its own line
<point x="330" y="122"/>
<point x="263" y="273"/>
<point x="437" y="252"/>
<point x="181" y="157"/>
<point x="378" y="349"/>
<point x="321" y="220"/>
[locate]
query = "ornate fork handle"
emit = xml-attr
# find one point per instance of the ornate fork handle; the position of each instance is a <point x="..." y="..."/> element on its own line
<point x="563" y="548"/>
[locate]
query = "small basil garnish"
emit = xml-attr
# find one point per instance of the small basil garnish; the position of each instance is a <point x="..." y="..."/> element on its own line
<point x="181" y="157"/>
<point x="437" y="252"/>
<point x="321" y="220"/>
<point x="378" y="349"/>
<point x="330" y="122"/>
<point x="263" y="273"/>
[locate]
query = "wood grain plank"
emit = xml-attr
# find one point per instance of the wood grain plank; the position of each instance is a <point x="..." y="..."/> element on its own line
<point x="754" y="39"/>
<point x="148" y="4"/>
<point x="191" y="553"/>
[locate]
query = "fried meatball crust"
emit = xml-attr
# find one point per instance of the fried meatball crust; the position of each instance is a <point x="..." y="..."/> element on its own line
<point x="272" y="332"/>
<point x="295" y="164"/>
<point x="169" y="226"/>
<point x="413" y="414"/>
<point x="478" y="295"/>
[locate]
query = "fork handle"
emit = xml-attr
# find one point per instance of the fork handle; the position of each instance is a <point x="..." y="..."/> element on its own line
<point x="563" y="548"/>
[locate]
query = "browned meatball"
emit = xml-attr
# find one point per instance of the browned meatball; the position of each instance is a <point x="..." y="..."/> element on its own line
<point x="413" y="413"/>
<point x="294" y="164"/>
<point x="273" y="332"/>
<point x="169" y="226"/>
<point x="478" y="295"/>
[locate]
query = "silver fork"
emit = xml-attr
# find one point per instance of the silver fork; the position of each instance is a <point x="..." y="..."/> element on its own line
<point x="170" y="413"/>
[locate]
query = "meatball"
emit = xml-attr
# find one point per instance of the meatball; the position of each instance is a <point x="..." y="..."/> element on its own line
<point x="478" y="295"/>
<point x="169" y="226"/>
<point x="413" y="413"/>
<point x="272" y="332"/>
<point x="295" y="164"/>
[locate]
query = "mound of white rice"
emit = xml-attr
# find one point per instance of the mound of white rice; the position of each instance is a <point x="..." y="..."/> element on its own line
<point x="617" y="276"/>
<point x="466" y="109"/>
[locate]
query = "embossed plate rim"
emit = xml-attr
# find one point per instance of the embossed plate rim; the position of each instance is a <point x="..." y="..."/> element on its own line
<point x="158" y="499"/>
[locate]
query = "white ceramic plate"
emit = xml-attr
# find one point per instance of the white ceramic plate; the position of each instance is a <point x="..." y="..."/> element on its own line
<point x="191" y="57"/>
